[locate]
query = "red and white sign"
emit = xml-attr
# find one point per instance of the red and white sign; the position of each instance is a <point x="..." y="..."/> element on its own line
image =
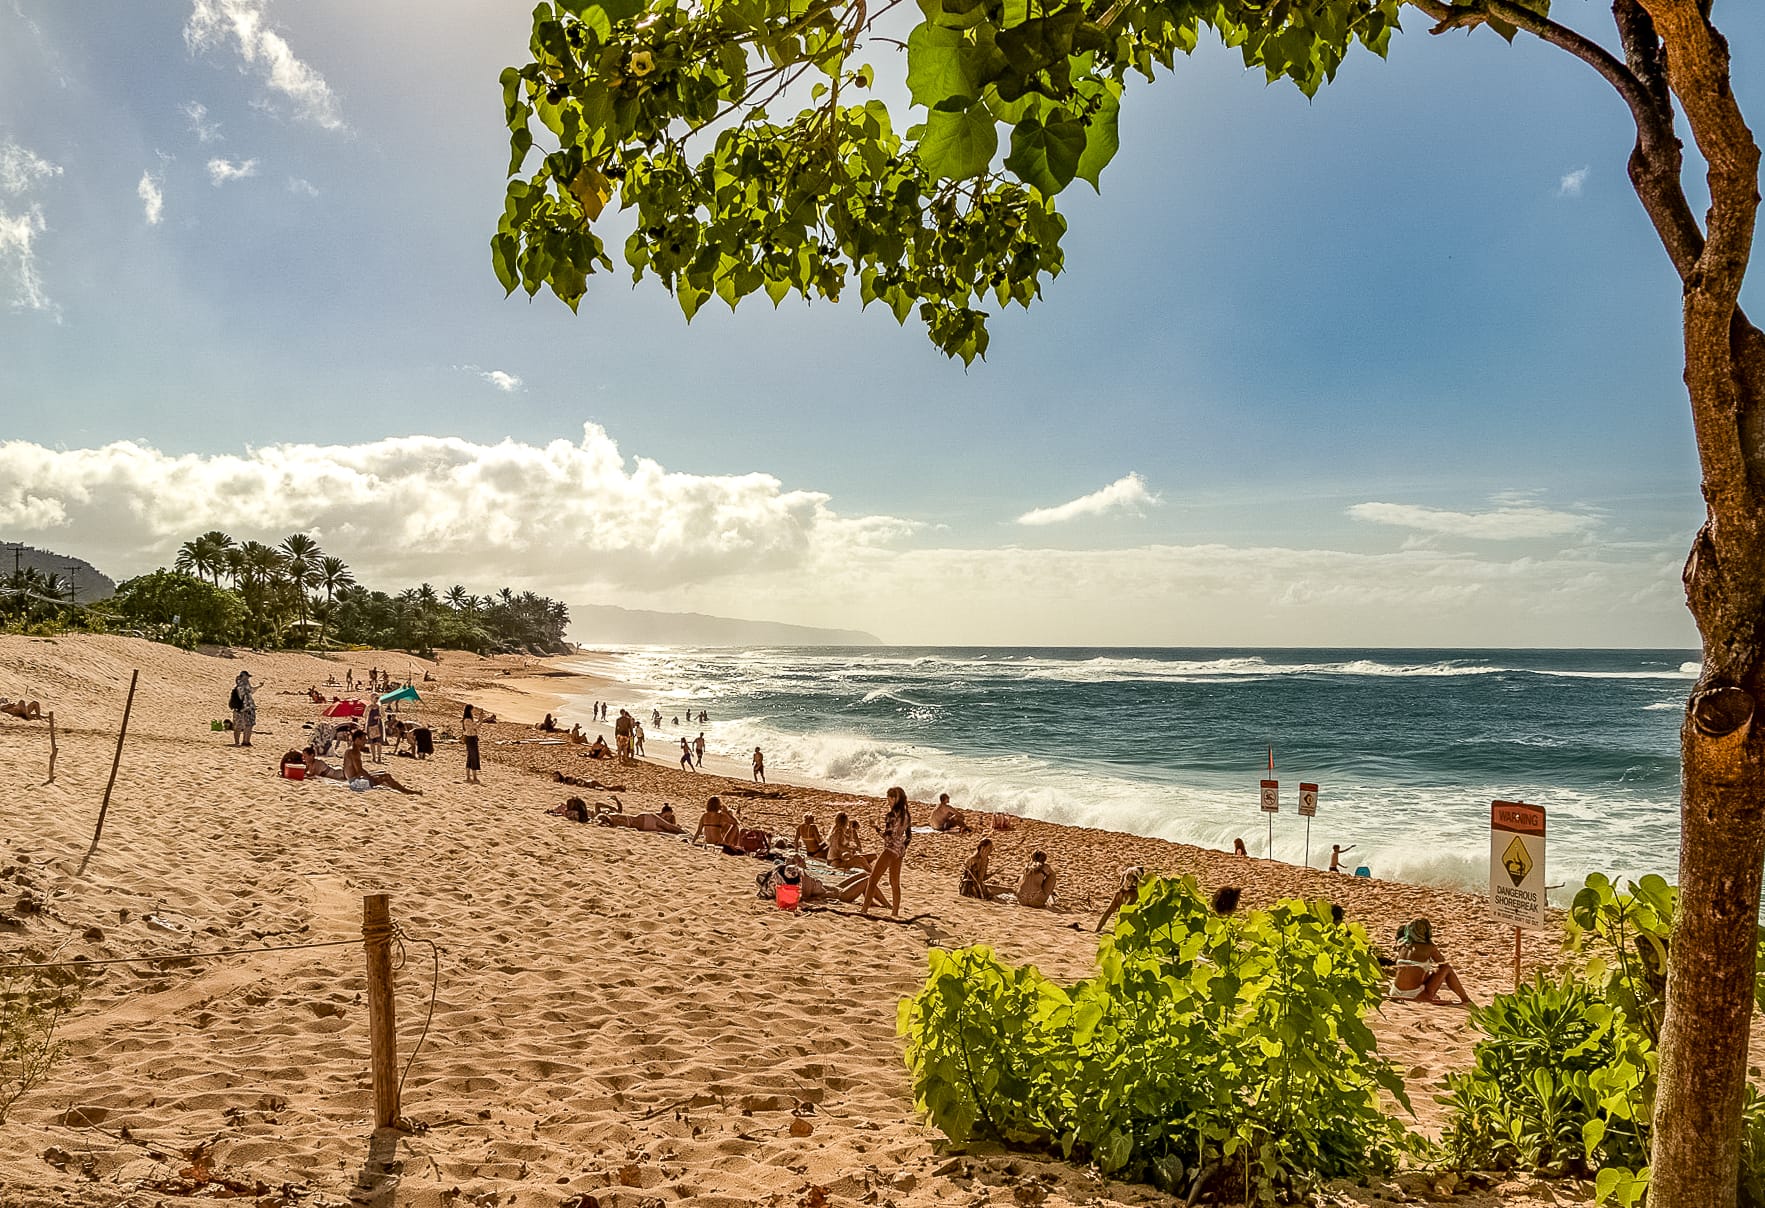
<point x="1271" y="796"/>
<point x="1308" y="800"/>
<point x="1516" y="864"/>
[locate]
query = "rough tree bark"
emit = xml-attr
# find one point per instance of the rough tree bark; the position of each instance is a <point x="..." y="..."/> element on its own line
<point x="1673" y="52"/>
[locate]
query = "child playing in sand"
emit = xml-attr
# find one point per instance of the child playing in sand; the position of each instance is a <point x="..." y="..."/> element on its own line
<point x="1036" y="887"/>
<point x="1421" y="969"/>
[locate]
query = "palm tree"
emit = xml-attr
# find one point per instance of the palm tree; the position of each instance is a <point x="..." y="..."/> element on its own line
<point x="457" y="599"/>
<point x="426" y="596"/>
<point x="334" y="576"/>
<point x="192" y="558"/>
<point x="300" y="564"/>
<point x="214" y="546"/>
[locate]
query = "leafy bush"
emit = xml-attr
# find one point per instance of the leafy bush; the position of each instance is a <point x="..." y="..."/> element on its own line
<point x="1564" y="1079"/>
<point x="1208" y="1055"/>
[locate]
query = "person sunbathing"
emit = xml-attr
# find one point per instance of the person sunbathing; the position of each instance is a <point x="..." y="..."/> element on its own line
<point x="353" y="769"/>
<point x="946" y="817"/>
<point x="972" y="881"/>
<point x="846" y="889"/>
<point x="599" y="749"/>
<point x="574" y="808"/>
<point x="1127" y="889"/>
<point x="25" y="710"/>
<point x="576" y="736"/>
<point x="1421" y="970"/>
<point x="318" y="769"/>
<point x="718" y="827"/>
<point x="659" y="822"/>
<point x="809" y="838"/>
<point x="1036" y="887"/>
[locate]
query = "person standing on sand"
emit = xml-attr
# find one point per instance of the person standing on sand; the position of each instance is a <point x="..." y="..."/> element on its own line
<point x="469" y="732"/>
<point x="759" y="766"/>
<point x="1336" y="850"/>
<point x="686" y="756"/>
<point x="699" y="749"/>
<point x="896" y="832"/>
<point x="637" y="738"/>
<point x="244" y="707"/>
<point x="376" y="733"/>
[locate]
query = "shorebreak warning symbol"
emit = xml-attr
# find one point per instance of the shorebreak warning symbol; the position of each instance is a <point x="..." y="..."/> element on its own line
<point x="1517" y="861"/>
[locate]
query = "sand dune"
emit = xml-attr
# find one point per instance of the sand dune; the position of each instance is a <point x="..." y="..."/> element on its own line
<point x="617" y="1015"/>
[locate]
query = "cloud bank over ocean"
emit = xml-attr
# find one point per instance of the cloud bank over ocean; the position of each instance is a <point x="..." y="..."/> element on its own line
<point x="583" y="521"/>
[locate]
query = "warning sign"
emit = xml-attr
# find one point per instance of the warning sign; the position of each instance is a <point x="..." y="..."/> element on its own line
<point x="1271" y="796"/>
<point x="1516" y="864"/>
<point x="1308" y="800"/>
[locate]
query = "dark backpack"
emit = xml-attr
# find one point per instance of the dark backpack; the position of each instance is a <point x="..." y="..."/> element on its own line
<point x="233" y="701"/>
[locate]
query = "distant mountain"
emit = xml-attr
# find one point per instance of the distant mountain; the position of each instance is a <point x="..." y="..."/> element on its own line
<point x="592" y="623"/>
<point x="90" y="583"/>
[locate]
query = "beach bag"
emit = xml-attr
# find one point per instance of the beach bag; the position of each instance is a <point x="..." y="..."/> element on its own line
<point x="233" y="701"/>
<point x="752" y="841"/>
<point x="361" y="784"/>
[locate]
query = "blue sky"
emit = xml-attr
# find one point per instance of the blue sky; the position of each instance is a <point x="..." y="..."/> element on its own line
<point x="1399" y="365"/>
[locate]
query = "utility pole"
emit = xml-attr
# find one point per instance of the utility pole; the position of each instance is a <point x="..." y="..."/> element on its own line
<point x="18" y="550"/>
<point x="73" y="589"/>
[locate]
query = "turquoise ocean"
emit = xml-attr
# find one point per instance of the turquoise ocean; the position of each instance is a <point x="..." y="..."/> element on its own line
<point x="1408" y="747"/>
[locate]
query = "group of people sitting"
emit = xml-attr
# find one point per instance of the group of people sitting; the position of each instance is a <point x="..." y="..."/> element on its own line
<point x="352" y="770"/>
<point x="1035" y="887"/>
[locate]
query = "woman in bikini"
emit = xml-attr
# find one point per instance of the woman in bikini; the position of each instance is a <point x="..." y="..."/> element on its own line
<point x="842" y="845"/>
<point x="896" y="832"/>
<point x="809" y="838"/>
<point x="1421" y="970"/>
<point x="973" y="883"/>
<point x="1036" y="887"/>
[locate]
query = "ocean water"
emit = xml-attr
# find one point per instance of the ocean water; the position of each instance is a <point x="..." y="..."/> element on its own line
<point x="1408" y="746"/>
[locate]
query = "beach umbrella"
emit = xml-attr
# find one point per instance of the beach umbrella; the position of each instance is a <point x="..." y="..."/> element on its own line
<point x="400" y="694"/>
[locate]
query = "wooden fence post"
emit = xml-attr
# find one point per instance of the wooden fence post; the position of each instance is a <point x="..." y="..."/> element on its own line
<point x="377" y="940"/>
<point x="128" y="707"/>
<point x="52" y="748"/>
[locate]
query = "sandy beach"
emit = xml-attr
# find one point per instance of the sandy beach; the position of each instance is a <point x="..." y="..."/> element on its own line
<point x="618" y="1020"/>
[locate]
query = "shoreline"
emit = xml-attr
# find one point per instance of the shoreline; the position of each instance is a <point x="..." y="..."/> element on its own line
<point x="617" y="1014"/>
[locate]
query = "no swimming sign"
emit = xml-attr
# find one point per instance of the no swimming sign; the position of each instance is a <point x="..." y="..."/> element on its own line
<point x="1516" y="864"/>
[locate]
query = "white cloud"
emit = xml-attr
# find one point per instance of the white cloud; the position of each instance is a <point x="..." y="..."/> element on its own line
<point x="1125" y="493"/>
<point x="426" y="507"/>
<point x="299" y="184"/>
<point x="220" y="171"/>
<point x="196" y="113"/>
<point x="21" y="171"/>
<point x="1510" y="520"/>
<point x="262" y="48"/>
<point x="1571" y="183"/>
<point x="152" y="198"/>
<point x="505" y="382"/>
<point x="408" y="509"/>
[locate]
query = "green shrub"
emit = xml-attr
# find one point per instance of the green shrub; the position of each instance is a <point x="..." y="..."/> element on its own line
<point x="30" y="1009"/>
<point x="1209" y="1054"/>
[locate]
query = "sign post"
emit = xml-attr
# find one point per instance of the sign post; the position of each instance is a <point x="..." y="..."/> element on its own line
<point x="1516" y="869"/>
<point x="1271" y="805"/>
<point x="1308" y="809"/>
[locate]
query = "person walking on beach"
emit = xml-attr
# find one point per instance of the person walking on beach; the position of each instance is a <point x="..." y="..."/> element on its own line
<point x="1336" y="850"/>
<point x="637" y="738"/>
<point x="376" y="733"/>
<point x="759" y="766"/>
<point x="896" y="832"/>
<point x="686" y="756"/>
<point x="469" y="732"/>
<point x="699" y="748"/>
<point x="244" y="706"/>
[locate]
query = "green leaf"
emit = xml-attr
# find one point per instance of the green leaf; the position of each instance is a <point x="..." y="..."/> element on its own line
<point x="504" y="249"/>
<point x="1046" y="157"/>
<point x="940" y="68"/>
<point x="616" y="10"/>
<point x="1101" y="140"/>
<point x="957" y="146"/>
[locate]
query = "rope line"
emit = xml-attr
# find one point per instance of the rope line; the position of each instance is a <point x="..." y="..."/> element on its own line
<point x="400" y="935"/>
<point x="177" y="956"/>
